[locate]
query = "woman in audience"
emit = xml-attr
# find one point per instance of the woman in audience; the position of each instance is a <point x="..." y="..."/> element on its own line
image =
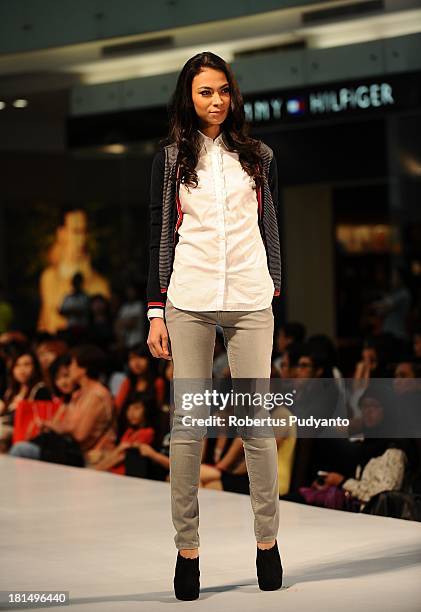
<point x="375" y="357"/>
<point x="339" y="458"/>
<point x="287" y="334"/>
<point x="140" y="378"/>
<point x="47" y="351"/>
<point x="407" y="388"/>
<point x="26" y="382"/>
<point x="289" y="360"/>
<point x="139" y="429"/>
<point x="62" y="388"/>
<point x="89" y="421"/>
<point x="62" y="384"/>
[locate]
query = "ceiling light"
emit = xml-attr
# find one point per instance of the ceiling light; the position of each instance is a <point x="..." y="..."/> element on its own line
<point x="20" y="103"/>
<point x="115" y="149"/>
<point x="2" y="105"/>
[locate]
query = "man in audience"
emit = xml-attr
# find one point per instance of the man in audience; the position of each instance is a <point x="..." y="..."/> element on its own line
<point x="288" y="333"/>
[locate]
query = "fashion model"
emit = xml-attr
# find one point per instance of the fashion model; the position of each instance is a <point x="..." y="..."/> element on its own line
<point x="214" y="260"/>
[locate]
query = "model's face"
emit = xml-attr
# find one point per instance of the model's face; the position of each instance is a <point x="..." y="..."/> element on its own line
<point x="23" y="370"/>
<point x="211" y="97"/>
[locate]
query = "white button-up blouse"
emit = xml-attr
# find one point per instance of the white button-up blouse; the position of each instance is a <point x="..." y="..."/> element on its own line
<point x="220" y="259"/>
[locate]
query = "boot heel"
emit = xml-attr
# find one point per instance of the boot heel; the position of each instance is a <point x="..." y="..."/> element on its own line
<point x="269" y="568"/>
<point x="187" y="578"/>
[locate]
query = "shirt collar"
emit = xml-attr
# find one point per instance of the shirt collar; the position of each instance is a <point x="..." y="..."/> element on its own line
<point x="208" y="143"/>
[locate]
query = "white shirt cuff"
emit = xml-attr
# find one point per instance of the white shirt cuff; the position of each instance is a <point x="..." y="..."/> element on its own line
<point x="155" y="312"/>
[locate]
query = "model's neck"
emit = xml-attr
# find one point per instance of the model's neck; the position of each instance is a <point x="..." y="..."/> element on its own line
<point x="212" y="131"/>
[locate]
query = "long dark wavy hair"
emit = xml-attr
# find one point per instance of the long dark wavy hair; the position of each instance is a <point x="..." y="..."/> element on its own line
<point x="14" y="386"/>
<point x="184" y="122"/>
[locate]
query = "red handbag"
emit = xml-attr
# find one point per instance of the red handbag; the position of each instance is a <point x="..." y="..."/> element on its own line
<point x="27" y="414"/>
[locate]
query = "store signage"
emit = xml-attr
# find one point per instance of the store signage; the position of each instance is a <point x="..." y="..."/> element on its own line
<point x="321" y="102"/>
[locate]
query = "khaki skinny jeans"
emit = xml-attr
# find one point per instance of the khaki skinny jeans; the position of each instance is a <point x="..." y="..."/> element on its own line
<point x="248" y="337"/>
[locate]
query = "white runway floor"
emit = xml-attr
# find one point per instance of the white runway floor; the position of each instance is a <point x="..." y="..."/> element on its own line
<point x="108" y="540"/>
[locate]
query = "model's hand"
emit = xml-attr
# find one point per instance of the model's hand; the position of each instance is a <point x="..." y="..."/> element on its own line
<point x="158" y="339"/>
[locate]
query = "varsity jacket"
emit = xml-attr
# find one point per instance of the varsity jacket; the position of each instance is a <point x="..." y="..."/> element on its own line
<point x="166" y="218"/>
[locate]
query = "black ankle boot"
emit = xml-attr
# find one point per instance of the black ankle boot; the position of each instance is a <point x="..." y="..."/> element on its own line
<point x="269" y="568"/>
<point x="186" y="578"/>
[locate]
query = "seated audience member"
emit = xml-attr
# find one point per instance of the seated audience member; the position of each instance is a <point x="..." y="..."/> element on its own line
<point x="151" y="460"/>
<point x="12" y="342"/>
<point x="395" y="305"/>
<point x="321" y="343"/>
<point x="47" y="351"/>
<point x="76" y="306"/>
<point x="407" y="389"/>
<point x="368" y="367"/>
<point x="158" y="458"/>
<point x="139" y="429"/>
<point x="130" y="321"/>
<point x="62" y="388"/>
<point x="89" y="421"/>
<point x="62" y="384"/>
<point x="26" y="382"/>
<point x="376" y="355"/>
<point x="406" y="371"/>
<point x="346" y="457"/>
<point x="229" y="472"/>
<point x="289" y="360"/>
<point x="286" y="440"/>
<point x="317" y="393"/>
<point x="100" y="327"/>
<point x="140" y="378"/>
<point x="287" y="334"/>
